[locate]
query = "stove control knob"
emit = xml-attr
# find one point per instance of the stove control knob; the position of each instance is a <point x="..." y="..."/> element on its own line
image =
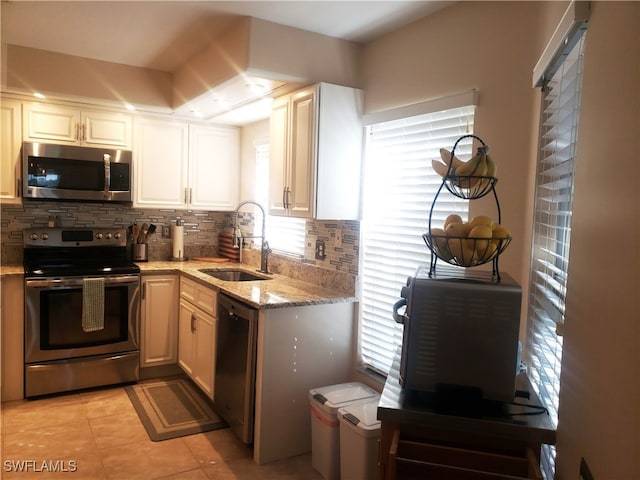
<point x="44" y="236"/>
<point x="108" y="236"/>
<point x="117" y="235"/>
<point x="34" y="236"/>
<point x="99" y="236"/>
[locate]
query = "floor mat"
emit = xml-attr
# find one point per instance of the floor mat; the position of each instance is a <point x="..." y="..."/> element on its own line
<point x="172" y="408"/>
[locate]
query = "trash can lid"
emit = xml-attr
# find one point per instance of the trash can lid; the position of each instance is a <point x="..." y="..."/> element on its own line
<point x="363" y="415"/>
<point x="341" y="395"/>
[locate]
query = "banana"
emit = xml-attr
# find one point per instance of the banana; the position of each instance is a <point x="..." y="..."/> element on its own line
<point x="469" y="168"/>
<point x="492" y="168"/>
<point x="448" y="159"/>
<point x="440" y="168"/>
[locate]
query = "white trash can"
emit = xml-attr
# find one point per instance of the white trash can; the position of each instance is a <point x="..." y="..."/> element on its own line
<point x="359" y="437"/>
<point x="325" y="427"/>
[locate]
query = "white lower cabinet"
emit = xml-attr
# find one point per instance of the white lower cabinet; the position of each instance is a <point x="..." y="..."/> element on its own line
<point x="197" y="333"/>
<point x="12" y="338"/>
<point x="159" y="325"/>
<point x="299" y="348"/>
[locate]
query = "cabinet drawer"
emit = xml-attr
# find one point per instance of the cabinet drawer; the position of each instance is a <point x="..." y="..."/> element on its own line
<point x="411" y="459"/>
<point x="199" y="295"/>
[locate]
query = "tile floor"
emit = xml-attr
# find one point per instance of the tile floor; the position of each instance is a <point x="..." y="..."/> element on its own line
<point x="97" y="435"/>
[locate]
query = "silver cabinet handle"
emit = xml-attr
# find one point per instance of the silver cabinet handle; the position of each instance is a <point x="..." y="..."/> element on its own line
<point x="107" y="174"/>
<point x="193" y="323"/>
<point x="190" y="195"/>
<point x="288" y="198"/>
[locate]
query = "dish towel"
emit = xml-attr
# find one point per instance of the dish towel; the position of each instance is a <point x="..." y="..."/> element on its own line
<point x="92" y="304"/>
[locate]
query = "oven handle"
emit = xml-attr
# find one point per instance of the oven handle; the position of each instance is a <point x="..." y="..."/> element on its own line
<point x="74" y="282"/>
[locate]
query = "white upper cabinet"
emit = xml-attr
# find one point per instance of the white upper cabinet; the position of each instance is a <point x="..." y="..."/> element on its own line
<point x="161" y="150"/>
<point x="67" y="125"/>
<point x="316" y="153"/>
<point x="10" y="143"/>
<point x="213" y="167"/>
<point x="184" y="166"/>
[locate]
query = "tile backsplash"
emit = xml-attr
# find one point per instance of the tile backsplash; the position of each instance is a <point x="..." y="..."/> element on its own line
<point x="339" y="269"/>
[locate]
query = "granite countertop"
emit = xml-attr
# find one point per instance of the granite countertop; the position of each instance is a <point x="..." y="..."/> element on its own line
<point x="11" y="270"/>
<point x="279" y="291"/>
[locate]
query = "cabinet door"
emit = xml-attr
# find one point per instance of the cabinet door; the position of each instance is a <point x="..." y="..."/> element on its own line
<point x="160" y="169"/>
<point x="302" y="166"/>
<point x="12" y="337"/>
<point x="213" y="167"/>
<point x="10" y="142"/>
<point x="159" y="309"/>
<point x="205" y="341"/>
<point x="339" y="153"/>
<point x="106" y="129"/>
<point x="51" y="123"/>
<point x="278" y="158"/>
<point x="186" y="337"/>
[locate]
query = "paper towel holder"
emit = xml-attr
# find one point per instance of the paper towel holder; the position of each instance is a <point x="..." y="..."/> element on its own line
<point x="178" y="238"/>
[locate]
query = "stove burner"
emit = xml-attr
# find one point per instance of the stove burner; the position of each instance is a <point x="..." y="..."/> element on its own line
<point x="52" y="252"/>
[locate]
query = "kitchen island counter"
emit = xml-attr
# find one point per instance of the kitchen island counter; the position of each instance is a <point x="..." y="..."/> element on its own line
<point x="276" y="292"/>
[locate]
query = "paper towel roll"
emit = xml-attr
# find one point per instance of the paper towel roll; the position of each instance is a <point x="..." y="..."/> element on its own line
<point x="178" y="241"/>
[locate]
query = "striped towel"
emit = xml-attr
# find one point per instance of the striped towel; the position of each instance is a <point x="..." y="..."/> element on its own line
<point x="92" y="304"/>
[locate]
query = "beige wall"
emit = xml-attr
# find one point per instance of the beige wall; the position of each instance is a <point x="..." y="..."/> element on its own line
<point x="488" y="46"/>
<point x="481" y="45"/>
<point x="600" y="388"/>
<point x="28" y="70"/>
<point x="252" y="135"/>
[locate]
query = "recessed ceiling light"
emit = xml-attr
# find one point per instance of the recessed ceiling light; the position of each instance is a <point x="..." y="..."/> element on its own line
<point x="129" y="107"/>
<point x="38" y="95"/>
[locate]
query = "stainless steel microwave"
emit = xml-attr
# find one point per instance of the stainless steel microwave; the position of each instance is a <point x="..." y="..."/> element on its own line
<point x="67" y="172"/>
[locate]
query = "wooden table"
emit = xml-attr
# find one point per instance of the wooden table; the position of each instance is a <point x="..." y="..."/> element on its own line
<point x="419" y="441"/>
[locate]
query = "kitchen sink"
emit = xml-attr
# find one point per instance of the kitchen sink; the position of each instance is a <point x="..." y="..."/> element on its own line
<point x="233" y="275"/>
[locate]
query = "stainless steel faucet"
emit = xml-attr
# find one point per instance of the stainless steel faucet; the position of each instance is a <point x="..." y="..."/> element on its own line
<point x="237" y="236"/>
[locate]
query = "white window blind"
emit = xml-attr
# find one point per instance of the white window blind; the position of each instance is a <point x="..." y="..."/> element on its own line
<point x="552" y="233"/>
<point x="399" y="187"/>
<point x="284" y="234"/>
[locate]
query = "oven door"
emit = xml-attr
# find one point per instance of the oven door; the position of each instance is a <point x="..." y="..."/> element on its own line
<point x="53" y="318"/>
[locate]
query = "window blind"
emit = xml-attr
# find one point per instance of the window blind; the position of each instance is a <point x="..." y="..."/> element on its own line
<point x="552" y="233"/>
<point x="399" y="187"/>
<point x="284" y="234"/>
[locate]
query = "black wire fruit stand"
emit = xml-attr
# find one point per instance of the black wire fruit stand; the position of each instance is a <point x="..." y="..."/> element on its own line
<point x="466" y="251"/>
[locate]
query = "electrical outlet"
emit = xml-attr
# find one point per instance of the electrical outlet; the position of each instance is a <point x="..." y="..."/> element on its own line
<point x="320" y="250"/>
<point x="166" y="231"/>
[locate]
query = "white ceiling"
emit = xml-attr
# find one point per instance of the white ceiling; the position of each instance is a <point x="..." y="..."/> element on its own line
<point x="163" y="34"/>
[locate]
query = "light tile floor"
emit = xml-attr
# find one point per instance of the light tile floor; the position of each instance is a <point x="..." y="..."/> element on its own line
<point x="98" y="435"/>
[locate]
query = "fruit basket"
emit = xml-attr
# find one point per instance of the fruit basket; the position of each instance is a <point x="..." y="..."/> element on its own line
<point x="465" y="251"/>
<point x="480" y="241"/>
<point x="470" y="187"/>
<point x="472" y="179"/>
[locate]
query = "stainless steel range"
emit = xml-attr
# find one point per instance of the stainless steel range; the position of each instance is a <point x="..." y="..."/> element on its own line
<point x="82" y="298"/>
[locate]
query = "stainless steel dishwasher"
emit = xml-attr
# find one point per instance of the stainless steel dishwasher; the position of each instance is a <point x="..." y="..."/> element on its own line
<point x="235" y="371"/>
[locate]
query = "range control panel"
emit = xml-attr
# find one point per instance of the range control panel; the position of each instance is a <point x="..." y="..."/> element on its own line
<point x="74" y="237"/>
